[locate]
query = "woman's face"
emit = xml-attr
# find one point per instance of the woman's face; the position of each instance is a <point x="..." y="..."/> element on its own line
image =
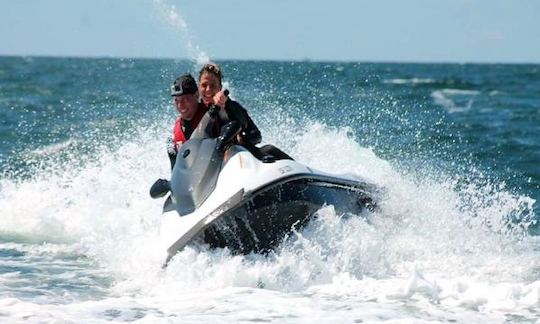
<point x="209" y="85"/>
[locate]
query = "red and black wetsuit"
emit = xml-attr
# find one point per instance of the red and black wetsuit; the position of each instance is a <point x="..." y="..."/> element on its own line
<point x="233" y="111"/>
<point x="184" y="128"/>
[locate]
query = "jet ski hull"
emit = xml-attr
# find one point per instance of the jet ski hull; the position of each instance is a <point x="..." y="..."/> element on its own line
<point x="258" y="221"/>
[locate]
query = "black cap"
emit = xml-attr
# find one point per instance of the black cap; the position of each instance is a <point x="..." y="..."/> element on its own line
<point x="184" y="84"/>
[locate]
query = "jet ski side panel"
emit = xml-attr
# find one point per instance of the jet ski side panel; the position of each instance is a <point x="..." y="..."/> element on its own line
<point x="258" y="221"/>
<point x="202" y="224"/>
<point x="265" y="218"/>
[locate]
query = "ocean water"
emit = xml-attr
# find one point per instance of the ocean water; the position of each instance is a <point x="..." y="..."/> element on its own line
<point x="455" y="147"/>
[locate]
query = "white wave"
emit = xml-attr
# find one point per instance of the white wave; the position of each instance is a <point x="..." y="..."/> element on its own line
<point x="453" y="92"/>
<point x="454" y="100"/>
<point x="344" y="299"/>
<point x="436" y="249"/>
<point x="410" y="81"/>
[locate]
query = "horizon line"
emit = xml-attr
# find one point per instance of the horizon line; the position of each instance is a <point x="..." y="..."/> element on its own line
<point x="442" y="62"/>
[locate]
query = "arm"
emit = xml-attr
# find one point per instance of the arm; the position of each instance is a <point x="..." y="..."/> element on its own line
<point x="250" y="132"/>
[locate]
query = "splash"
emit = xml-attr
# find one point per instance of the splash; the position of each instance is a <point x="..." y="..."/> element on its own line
<point x="430" y="241"/>
<point x="174" y="19"/>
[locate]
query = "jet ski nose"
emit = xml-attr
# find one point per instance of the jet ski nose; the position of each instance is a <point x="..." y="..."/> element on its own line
<point x="160" y="188"/>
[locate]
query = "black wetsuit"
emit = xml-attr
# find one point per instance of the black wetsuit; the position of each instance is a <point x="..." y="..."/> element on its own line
<point x="250" y="132"/>
<point x="236" y="112"/>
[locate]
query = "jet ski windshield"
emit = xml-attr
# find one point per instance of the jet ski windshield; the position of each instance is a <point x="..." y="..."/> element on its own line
<point x="198" y="165"/>
<point x="206" y="125"/>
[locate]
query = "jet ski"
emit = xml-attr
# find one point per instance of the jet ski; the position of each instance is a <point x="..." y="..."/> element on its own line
<point x="222" y="196"/>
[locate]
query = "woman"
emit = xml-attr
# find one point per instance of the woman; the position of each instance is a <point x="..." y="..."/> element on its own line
<point x="212" y="93"/>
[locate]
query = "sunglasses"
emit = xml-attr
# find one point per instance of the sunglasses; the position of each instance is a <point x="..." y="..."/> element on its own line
<point x="212" y="68"/>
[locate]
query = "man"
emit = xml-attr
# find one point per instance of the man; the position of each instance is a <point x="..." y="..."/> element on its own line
<point x="186" y="100"/>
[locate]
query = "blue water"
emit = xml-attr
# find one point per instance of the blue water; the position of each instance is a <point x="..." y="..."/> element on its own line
<point x="81" y="139"/>
<point x="457" y="117"/>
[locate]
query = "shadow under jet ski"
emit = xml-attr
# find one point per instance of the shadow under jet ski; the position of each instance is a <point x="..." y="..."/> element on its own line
<point x="223" y="196"/>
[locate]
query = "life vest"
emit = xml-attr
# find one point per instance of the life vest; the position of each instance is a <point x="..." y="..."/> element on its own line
<point x="178" y="133"/>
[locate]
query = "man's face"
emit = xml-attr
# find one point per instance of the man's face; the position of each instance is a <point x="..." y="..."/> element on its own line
<point x="186" y="105"/>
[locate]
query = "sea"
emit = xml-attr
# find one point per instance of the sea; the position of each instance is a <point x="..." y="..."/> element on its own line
<point x="454" y="148"/>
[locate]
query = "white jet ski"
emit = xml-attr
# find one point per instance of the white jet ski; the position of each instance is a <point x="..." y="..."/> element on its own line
<point x="223" y="196"/>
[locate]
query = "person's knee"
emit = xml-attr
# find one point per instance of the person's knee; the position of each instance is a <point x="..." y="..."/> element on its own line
<point x="266" y="148"/>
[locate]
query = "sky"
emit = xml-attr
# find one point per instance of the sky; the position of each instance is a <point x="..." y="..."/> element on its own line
<point x="340" y="30"/>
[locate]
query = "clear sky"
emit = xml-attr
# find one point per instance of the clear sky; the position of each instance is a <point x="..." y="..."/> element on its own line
<point x="338" y="30"/>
